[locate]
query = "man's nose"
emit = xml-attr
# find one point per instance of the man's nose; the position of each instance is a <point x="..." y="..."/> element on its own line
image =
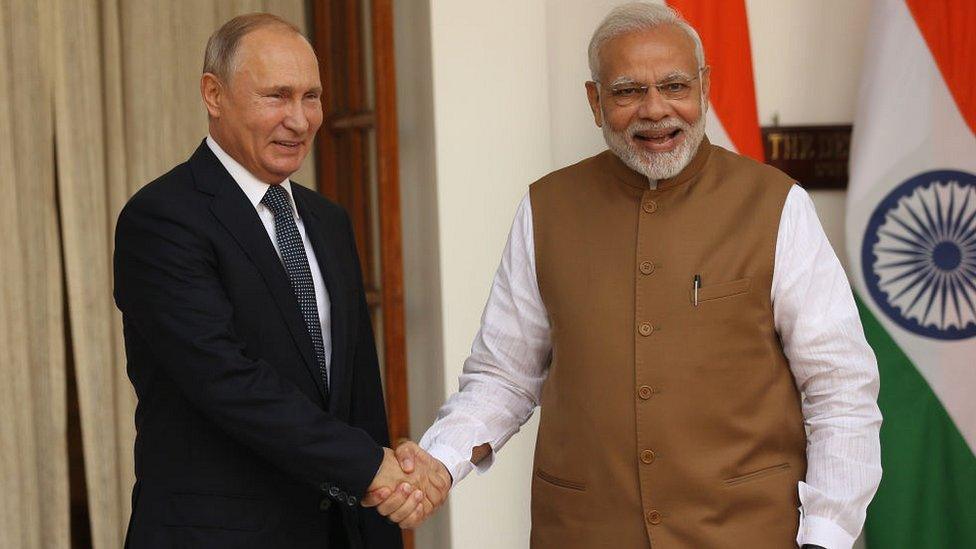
<point x="297" y="119"/>
<point x="654" y="106"/>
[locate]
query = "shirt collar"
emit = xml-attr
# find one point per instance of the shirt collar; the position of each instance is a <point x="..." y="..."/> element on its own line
<point x="253" y="187"/>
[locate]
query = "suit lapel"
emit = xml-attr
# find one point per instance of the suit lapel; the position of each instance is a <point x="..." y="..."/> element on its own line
<point x="233" y="209"/>
<point x="323" y="236"/>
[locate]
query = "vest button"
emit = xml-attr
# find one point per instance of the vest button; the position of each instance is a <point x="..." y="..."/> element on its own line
<point x="647" y="456"/>
<point x="653" y="517"/>
<point x="646" y="267"/>
<point x="645" y="392"/>
<point x="645" y="329"/>
<point x="649" y="206"/>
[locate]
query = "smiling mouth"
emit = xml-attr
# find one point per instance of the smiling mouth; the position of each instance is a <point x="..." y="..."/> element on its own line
<point x="288" y="144"/>
<point x="657" y="137"/>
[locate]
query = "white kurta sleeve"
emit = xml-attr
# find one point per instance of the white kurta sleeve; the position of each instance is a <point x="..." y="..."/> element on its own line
<point x="836" y="373"/>
<point x="501" y="383"/>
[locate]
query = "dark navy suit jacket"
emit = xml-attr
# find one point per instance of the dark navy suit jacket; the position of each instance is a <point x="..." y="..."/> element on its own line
<point x="238" y="444"/>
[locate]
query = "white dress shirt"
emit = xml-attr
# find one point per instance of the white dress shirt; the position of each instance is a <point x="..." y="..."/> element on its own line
<point x="817" y="321"/>
<point x="254" y="188"/>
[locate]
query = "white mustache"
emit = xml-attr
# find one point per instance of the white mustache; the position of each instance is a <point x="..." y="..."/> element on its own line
<point x="645" y="125"/>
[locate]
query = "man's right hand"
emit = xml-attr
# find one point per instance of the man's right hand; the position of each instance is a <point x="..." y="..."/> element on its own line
<point x="435" y="479"/>
<point x="392" y="493"/>
<point x="422" y="471"/>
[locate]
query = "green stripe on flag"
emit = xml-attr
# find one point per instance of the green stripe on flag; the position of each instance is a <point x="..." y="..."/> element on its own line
<point x="926" y="498"/>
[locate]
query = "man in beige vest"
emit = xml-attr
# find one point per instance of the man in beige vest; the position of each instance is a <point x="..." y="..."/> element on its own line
<point x="689" y="333"/>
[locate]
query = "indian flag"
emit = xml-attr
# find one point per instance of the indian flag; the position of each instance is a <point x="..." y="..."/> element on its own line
<point x="911" y="230"/>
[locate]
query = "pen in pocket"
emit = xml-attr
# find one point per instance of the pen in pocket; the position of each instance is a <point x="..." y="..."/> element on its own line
<point x="697" y="285"/>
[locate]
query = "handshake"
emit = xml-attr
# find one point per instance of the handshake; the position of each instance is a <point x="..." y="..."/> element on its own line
<point x="409" y="485"/>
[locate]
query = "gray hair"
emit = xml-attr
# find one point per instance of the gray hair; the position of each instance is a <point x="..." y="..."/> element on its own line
<point x="220" y="57"/>
<point x="638" y="16"/>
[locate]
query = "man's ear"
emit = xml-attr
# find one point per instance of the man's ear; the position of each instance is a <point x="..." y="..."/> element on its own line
<point x="212" y="91"/>
<point x="593" y="96"/>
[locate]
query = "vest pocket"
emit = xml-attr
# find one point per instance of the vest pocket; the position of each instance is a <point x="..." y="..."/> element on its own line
<point x="562" y="483"/>
<point x="722" y="290"/>
<point x="755" y="475"/>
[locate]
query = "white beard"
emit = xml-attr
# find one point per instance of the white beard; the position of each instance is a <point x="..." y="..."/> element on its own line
<point x="656" y="165"/>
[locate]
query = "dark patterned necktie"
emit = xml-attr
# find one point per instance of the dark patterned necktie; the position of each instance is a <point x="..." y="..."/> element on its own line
<point x="296" y="265"/>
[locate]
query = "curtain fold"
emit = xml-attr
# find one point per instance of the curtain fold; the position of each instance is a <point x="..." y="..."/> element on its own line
<point x="97" y="98"/>
<point x="33" y="443"/>
<point x="87" y="126"/>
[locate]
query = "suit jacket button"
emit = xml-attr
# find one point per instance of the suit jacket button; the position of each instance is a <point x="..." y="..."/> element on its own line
<point x="654" y="517"/>
<point x="325" y="504"/>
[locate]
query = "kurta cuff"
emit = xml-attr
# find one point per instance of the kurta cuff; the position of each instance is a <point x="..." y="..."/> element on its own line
<point x="458" y="464"/>
<point x="823" y="532"/>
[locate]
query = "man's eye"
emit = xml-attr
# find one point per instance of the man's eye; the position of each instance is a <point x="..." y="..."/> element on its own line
<point x="626" y="92"/>
<point x="675" y="87"/>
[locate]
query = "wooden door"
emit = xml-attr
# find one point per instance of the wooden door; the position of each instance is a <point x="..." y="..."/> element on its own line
<point x="357" y="162"/>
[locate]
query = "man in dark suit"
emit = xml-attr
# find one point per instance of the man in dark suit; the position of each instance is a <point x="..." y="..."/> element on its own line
<point x="260" y="419"/>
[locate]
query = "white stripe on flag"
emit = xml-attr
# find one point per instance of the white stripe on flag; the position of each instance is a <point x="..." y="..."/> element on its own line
<point x="716" y="131"/>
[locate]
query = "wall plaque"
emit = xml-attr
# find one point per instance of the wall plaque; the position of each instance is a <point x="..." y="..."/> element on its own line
<point x="816" y="156"/>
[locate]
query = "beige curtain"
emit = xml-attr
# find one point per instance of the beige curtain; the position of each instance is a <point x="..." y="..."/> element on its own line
<point x="33" y="447"/>
<point x="97" y="98"/>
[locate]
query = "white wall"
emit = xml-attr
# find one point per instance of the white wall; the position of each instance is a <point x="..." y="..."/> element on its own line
<point x="491" y="116"/>
<point x="421" y="270"/>
<point x="491" y="97"/>
<point x="488" y="130"/>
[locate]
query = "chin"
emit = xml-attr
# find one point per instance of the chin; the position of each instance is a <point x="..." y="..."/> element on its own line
<point x="656" y="165"/>
<point x="284" y="169"/>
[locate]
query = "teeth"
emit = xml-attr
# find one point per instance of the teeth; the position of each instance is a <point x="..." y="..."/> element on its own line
<point x="657" y="136"/>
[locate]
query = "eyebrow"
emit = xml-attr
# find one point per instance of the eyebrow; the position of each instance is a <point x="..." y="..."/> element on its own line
<point x="288" y="90"/>
<point x="671" y="77"/>
<point x="623" y="80"/>
<point x="675" y="75"/>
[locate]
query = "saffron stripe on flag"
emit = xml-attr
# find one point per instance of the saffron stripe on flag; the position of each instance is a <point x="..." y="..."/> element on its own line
<point x="949" y="29"/>
<point x="724" y="30"/>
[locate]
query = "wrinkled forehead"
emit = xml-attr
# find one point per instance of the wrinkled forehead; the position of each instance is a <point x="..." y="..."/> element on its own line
<point x="276" y="52"/>
<point x="653" y="55"/>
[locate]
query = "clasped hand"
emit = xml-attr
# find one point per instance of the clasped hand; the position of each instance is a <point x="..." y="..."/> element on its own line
<point x="409" y="486"/>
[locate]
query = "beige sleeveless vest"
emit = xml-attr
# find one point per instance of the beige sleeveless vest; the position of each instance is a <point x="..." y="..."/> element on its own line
<point x="664" y="424"/>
